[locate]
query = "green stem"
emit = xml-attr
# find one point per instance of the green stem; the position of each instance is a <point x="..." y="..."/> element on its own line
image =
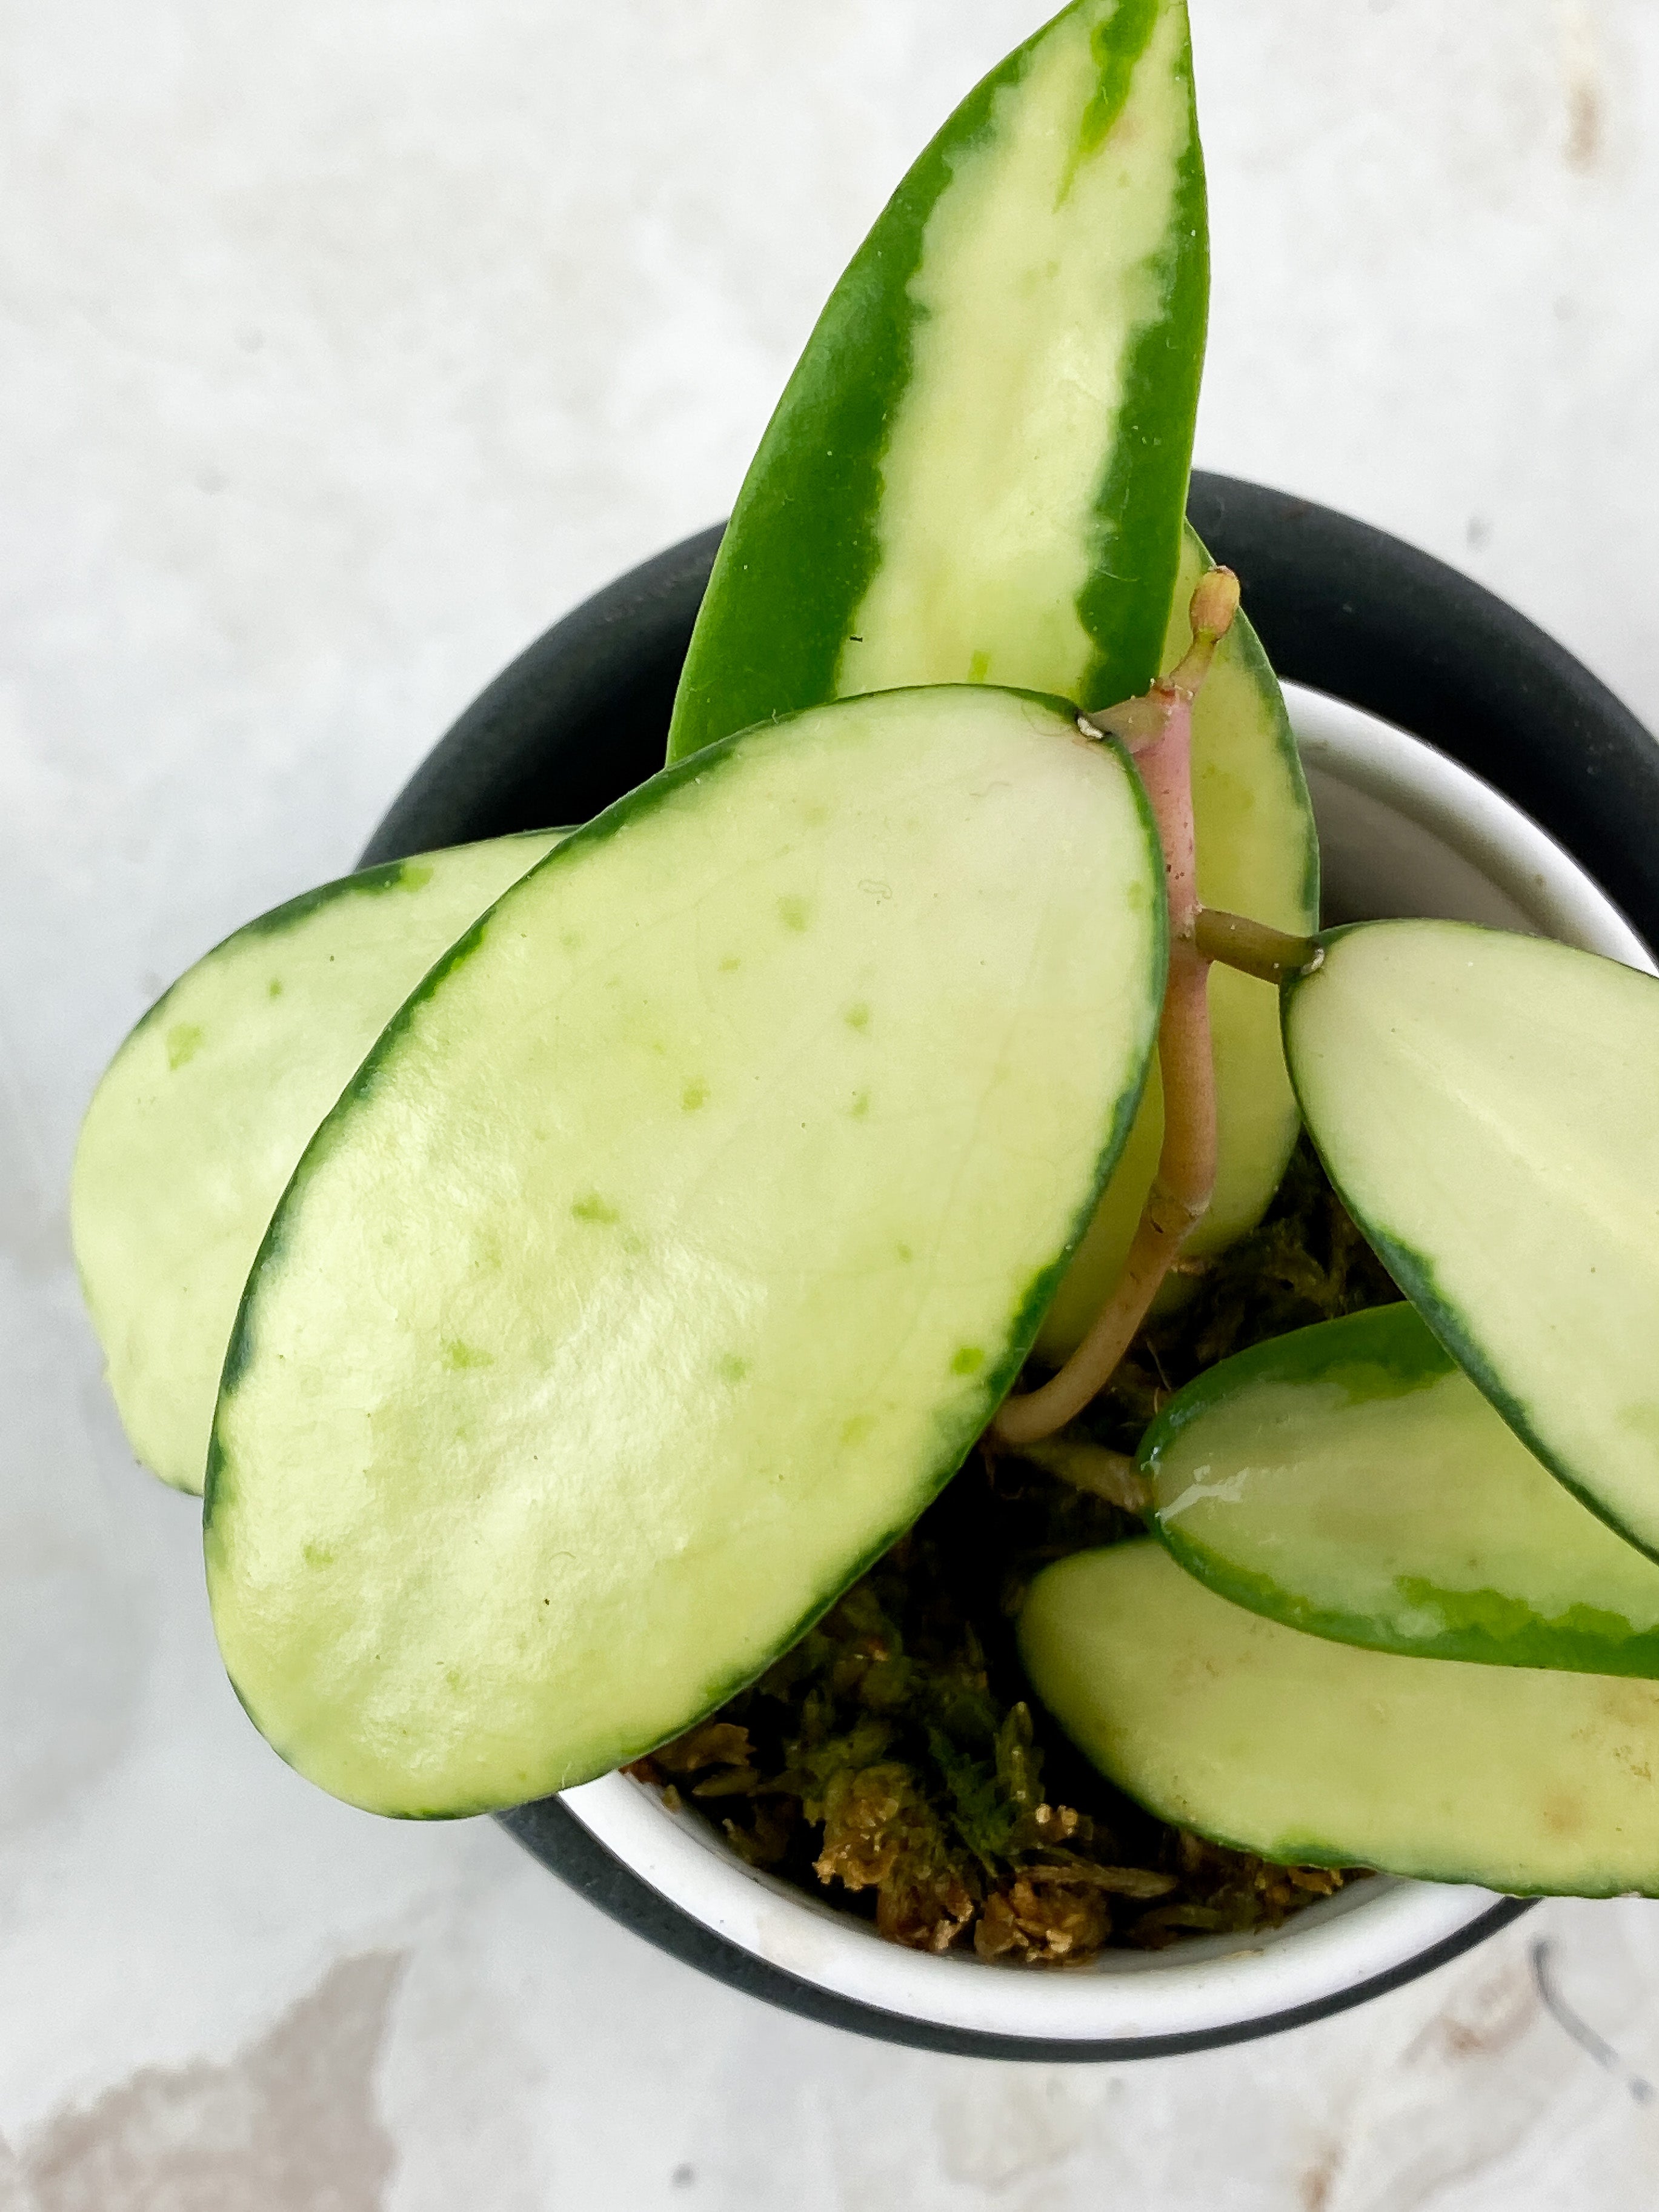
<point x="1252" y="947"/>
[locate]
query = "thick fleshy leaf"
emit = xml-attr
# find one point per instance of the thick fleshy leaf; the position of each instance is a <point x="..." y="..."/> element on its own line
<point x="676" y="1242"/>
<point x="1350" y="1481"/>
<point x="1318" y="1754"/>
<point x="1488" y="1107"/>
<point x="201" y="1118"/>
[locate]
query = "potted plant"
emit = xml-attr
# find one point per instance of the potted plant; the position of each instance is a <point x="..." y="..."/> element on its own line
<point x="1404" y="828"/>
<point x="844" y="1027"/>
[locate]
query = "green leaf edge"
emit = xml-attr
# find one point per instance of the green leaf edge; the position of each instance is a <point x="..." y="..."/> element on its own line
<point x="1397" y="1342"/>
<point x="1415" y="1272"/>
<point x="388" y="876"/>
<point x="1312" y="1851"/>
<point x="837" y="477"/>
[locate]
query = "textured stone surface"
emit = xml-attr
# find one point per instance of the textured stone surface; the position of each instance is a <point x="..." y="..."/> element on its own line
<point x="343" y="348"/>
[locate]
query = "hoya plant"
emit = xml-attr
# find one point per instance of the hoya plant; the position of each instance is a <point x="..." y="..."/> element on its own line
<point x="569" y="1266"/>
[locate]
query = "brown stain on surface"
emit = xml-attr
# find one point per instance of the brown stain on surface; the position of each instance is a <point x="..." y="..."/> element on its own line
<point x="288" y="2124"/>
<point x="1583" y="123"/>
<point x="1582" y="85"/>
<point x="1314" y="2189"/>
<point x="1482" y="2022"/>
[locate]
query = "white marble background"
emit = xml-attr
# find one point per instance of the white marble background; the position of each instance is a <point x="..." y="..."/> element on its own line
<point x="343" y="345"/>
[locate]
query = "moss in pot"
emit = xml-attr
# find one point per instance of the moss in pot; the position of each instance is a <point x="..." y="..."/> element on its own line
<point x="567" y="1486"/>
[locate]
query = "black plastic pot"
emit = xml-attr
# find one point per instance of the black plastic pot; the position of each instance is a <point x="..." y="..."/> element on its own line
<point x="582" y="716"/>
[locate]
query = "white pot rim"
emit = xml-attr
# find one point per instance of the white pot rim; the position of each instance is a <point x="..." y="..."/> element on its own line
<point x="1198" y="1989"/>
<point x="1370" y="1935"/>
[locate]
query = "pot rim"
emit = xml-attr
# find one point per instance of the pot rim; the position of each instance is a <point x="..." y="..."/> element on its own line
<point x="581" y="716"/>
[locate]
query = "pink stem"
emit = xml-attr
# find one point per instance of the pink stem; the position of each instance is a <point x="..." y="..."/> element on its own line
<point x="1185" y="1182"/>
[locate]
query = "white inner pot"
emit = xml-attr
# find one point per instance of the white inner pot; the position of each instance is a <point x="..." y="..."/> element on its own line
<point x="1403" y="831"/>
